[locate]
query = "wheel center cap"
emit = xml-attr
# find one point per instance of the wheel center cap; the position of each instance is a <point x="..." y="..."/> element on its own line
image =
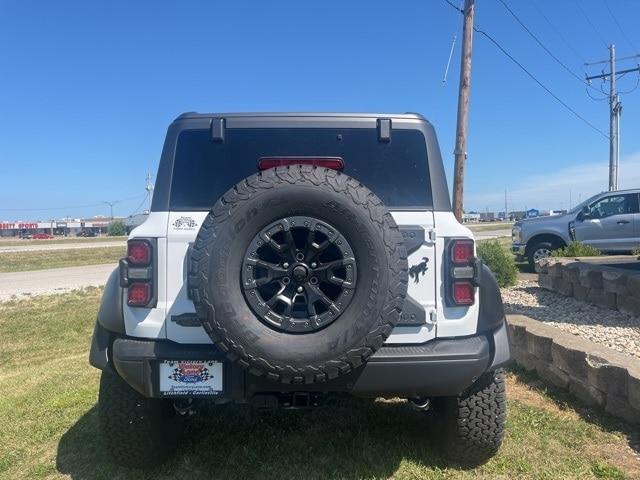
<point x="300" y="273"/>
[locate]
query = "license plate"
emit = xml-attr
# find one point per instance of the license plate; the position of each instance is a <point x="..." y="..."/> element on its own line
<point x="190" y="377"/>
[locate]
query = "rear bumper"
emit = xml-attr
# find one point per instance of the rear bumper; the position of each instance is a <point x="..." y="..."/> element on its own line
<point x="440" y="367"/>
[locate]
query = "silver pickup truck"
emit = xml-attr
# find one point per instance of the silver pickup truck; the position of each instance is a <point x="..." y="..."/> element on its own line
<point x="609" y="221"/>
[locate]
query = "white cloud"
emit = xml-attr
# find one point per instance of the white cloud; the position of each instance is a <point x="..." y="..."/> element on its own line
<point x="552" y="189"/>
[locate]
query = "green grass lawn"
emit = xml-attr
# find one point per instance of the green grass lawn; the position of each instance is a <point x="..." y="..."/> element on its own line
<point x="4" y="242"/>
<point x="48" y="423"/>
<point x="484" y="227"/>
<point x="43" y="259"/>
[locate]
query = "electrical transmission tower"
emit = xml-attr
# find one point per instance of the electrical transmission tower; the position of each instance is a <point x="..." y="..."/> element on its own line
<point x="615" y="108"/>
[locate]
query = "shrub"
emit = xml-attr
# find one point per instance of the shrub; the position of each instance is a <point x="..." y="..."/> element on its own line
<point x="576" y="249"/>
<point x="117" y="229"/>
<point x="499" y="261"/>
<point x="636" y="252"/>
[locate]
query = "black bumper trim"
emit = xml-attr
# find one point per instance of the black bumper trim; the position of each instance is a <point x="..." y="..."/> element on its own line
<point x="437" y="368"/>
<point x="440" y="367"/>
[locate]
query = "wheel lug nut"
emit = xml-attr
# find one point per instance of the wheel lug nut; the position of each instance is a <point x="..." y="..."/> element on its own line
<point x="300" y="289"/>
<point x="285" y="265"/>
<point x="314" y="265"/>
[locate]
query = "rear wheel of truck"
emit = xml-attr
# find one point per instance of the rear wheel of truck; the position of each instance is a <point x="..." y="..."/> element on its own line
<point x="473" y="422"/>
<point x="136" y="431"/>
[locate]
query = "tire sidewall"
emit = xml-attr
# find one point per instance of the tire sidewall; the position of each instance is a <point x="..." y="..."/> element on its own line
<point x="242" y="326"/>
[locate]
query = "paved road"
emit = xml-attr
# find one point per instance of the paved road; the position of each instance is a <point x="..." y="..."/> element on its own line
<point x="60" y="246"/>
<point x="55" y="280"/>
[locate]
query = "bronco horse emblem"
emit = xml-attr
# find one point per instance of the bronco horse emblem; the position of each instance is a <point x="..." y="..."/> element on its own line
<point x="416" y="270"/>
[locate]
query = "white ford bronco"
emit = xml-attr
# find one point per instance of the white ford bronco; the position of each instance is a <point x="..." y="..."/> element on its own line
<point x="292" y="258"/>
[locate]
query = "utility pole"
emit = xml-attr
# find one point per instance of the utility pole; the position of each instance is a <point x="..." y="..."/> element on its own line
<point x="615" y="108"/>
<point x="460" y="151"/>
<point x="506" y="211"/>
<point x="149" y="188"/>
<point x="111" y="204"/>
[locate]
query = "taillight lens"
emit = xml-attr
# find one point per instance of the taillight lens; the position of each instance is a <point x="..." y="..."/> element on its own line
<point x="461" y="271"/>
<point x="138" y="294"/>
<point x="138" y="252"/>
<point x="463" y="293"/>
<point x="462" y="252"/>
<point x="334" y="163"/>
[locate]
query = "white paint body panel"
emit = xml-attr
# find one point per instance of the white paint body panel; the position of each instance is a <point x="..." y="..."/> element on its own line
<point x="178" y="302"/>
<point x="175" y="231"/>
<point x="452" y="321"/>
<point x="150" y="322"/>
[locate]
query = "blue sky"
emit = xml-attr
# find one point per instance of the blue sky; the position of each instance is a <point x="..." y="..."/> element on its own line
<point x="89" y="88"/>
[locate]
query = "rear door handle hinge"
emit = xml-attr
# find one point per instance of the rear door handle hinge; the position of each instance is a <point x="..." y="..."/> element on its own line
<point x="431" y="234"/>
<point x="433" y="317"/>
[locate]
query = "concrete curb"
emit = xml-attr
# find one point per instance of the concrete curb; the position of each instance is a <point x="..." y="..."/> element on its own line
<point x="595" y="374"/>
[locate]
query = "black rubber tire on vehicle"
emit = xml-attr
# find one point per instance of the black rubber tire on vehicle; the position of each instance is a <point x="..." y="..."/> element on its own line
<point x="373" y="310"/>
<point x="473" y="422"/>
<point x="532" y="252"/>
<point x="136" y="431"/>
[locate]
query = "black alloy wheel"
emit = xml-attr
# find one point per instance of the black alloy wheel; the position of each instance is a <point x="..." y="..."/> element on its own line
<point x="299" y="274"/>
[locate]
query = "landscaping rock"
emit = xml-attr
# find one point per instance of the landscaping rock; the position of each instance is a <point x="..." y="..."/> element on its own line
<point x="570" y="358"/>
<point x="633" y="389"/>
<point x="629" y="304"/>
<point x="590" y="395"/>
<point x="615" y="282"/>
<point x="608" y="378"/>
<point x="598" y="296"/>
<point x="619" y="407"/>
<point x="611" y="328"/>
<point x="590" y="278"/>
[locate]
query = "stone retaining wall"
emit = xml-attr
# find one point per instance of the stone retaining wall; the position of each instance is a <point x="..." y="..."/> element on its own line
<point x="596" y="375"/>
<point x="602" y="285"/>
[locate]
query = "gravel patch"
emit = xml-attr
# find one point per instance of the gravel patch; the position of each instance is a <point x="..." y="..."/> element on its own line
<point x="611" y="328"/>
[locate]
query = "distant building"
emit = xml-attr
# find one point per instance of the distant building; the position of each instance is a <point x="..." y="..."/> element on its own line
<point x="487" y="216"/>
<point x="64" y="227"/>
<point x="517" y="215"/>
<point x="470" y="217"/>
<point x="532" y="213"/>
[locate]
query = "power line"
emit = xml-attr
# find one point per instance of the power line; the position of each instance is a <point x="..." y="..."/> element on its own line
<point x="542" y="45"/>
<point x="593" y="27"/>
<point x="543" y="86"/>
<point x="454" y="6"/>
<point x="559" y="33"/>
<point x="141" y="204"/>
<point x="68" y="207"/>
<point x="624" y="35"/>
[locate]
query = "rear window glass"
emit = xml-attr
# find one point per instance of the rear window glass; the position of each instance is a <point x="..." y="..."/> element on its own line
<point x="396" y="171"/>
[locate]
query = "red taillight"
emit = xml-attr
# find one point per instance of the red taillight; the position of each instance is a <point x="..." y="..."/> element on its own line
<point x="138" y="294"/>
<point x="138" y="252"/>
<point x="463" y="293"/>
<point x="461" y="272"/>
<point x="462" y="252"/>
<point x="334" y="163"/>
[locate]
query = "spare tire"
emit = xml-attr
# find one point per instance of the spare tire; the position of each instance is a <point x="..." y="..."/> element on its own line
<point x="298" y="274"/>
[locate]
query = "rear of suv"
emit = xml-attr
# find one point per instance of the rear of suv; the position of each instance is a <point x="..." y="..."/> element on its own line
<point x="289" y="259"/>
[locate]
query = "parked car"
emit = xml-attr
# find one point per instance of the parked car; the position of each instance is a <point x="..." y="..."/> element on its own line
<point x="42" y="236"/>
<point x="86" y="233"/>
<point x="292" y="258"/>
<point x="608" y="221"/>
